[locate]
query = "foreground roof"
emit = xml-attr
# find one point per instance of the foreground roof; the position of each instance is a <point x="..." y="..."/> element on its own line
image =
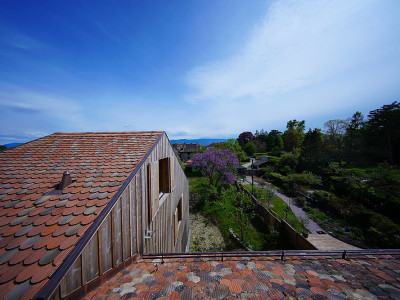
<point x="39" y="225"/>
<point x="311" y="277"/>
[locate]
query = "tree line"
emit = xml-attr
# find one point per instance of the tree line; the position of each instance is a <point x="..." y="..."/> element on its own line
<point x="359" y="140"/>
<point x="351" y="166"/>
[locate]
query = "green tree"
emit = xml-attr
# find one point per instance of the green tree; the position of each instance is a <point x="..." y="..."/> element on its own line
<point x="385" y="181"/>
<point x="383" y="130"/>
<point x="290" y="159"/>
<point x="274" y="142"/>
<point x="312" y="152"/>
<point x="335" y="130"/>
<point x="294" y="134"/>
<point x="233" y="146"/>
<point x="299" y="126"/>
<point x="244" y="138"/>
<point x="291" y="140"/>
<point x="354" y="138"/>
<point x="244" y="212"/>
<point x="260" y="140"/>
<point x="250" y="148"/>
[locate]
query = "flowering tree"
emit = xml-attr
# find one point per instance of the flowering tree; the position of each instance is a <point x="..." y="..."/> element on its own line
<point x="217" y="165"/>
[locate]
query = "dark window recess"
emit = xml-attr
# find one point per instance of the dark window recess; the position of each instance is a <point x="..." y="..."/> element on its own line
<point x="180" y="210"/>
<point x="164" y="176"/>
<point x="178" y="218"/>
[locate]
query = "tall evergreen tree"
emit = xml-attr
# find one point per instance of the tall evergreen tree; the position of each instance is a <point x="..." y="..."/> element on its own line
<point x="383" y="128"/>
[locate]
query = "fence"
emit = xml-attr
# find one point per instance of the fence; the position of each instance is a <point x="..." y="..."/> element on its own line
<point x="294" y="238"/>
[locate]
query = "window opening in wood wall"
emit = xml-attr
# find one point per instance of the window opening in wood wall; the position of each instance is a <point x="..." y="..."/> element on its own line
<point x="164" y="177"/>
<point x="178" y="217"/>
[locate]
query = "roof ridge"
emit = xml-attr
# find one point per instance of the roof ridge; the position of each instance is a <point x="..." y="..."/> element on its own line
<point x="107" y="132"/>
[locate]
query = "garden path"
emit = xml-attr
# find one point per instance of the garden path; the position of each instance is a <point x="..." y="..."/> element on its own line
<point x="320" y="241"/>
<point x="297" y="210"/>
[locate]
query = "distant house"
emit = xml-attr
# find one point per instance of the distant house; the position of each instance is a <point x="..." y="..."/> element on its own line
<point x="215" y="144"/>
<point x="186" y="151"/>
<point x="177" y="147"/>
<point x="75" y="207"/>
<point x="241" y="170"/>
<point x="261" y="163"/>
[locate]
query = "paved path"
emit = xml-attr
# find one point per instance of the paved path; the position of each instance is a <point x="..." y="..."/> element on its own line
<point x="320" y="241"/>
<point x="328" y="242"/>
<point x="297" y="210"/>
<point x="247" y="164"/>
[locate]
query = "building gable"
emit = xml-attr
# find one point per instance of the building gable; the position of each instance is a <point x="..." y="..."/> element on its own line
<point x="41" y="225"/>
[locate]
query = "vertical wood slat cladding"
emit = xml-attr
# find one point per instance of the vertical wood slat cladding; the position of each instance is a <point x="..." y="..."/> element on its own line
<point x="122" y="233"/>
<point x="73" y="279"/>
<point x="105" y="246"/>
<point x="126" y="235"/>
<point x="116" y="233"/>
<point x="90" y="257"/>
<point x="133" y="218"/>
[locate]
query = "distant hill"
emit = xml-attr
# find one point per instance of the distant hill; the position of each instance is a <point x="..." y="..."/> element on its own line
<point x="202" y="142"/>
<point x="12" y="145"/>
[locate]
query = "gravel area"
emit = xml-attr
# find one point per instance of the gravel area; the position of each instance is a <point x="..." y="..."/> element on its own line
<point x="206" y="237"/>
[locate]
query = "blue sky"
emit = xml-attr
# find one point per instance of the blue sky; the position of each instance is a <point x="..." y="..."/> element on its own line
<point x="193" y="68"/>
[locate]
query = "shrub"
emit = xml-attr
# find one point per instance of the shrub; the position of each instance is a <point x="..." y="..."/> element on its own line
<point x="289" y="159"/>
<point x="322" y="198"/>
<point x="301" y="201"/>
<point x="304" y="179"/>
<point x="277" y="178"/>
<point x="267" y="171"/>
<point x="285" y="170"/>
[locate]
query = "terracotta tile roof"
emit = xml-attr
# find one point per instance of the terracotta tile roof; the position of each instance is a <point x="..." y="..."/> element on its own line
<point x="191" y="148"/>
<point x="317" y="277"/>
<point x="39" y="225"/>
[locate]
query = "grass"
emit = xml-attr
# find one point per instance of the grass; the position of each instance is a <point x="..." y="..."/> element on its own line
<point x="315" y="214"/>
<point x="222" y="213"/>
<point x="196" y="183"/>
<point x="278" y="206"/>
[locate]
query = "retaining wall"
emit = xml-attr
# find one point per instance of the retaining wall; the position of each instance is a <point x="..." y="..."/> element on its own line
<point x="294" y="238"/>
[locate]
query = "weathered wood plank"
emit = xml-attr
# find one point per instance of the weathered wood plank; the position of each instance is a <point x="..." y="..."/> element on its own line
<point x="133" y="216"/>
<point x="139" y="209"/>
<point x="116" y="233"/>
<point x="126" y="237"/>
<point x="105" y="248"/>
<point x="73" y="279"/>
<point x="90" y="260"/>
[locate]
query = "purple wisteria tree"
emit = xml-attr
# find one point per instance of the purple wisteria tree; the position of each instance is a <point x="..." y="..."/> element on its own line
<point x="217" y="166"/>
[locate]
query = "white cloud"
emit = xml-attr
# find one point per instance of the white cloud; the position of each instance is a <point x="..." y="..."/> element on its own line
<point x="301" y="60"/>
<point x="33" y="114"/>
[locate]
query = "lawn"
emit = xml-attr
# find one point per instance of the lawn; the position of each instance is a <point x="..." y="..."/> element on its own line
<point x="196" y="183"/>
<point x="278" y="206"/>
<point x="223" y="213"/>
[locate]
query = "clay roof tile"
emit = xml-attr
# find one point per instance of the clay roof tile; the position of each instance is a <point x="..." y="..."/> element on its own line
<point x="35" y="217"/>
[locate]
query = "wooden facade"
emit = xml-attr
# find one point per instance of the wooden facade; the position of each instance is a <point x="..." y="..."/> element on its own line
<point x="143" y="220"/>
